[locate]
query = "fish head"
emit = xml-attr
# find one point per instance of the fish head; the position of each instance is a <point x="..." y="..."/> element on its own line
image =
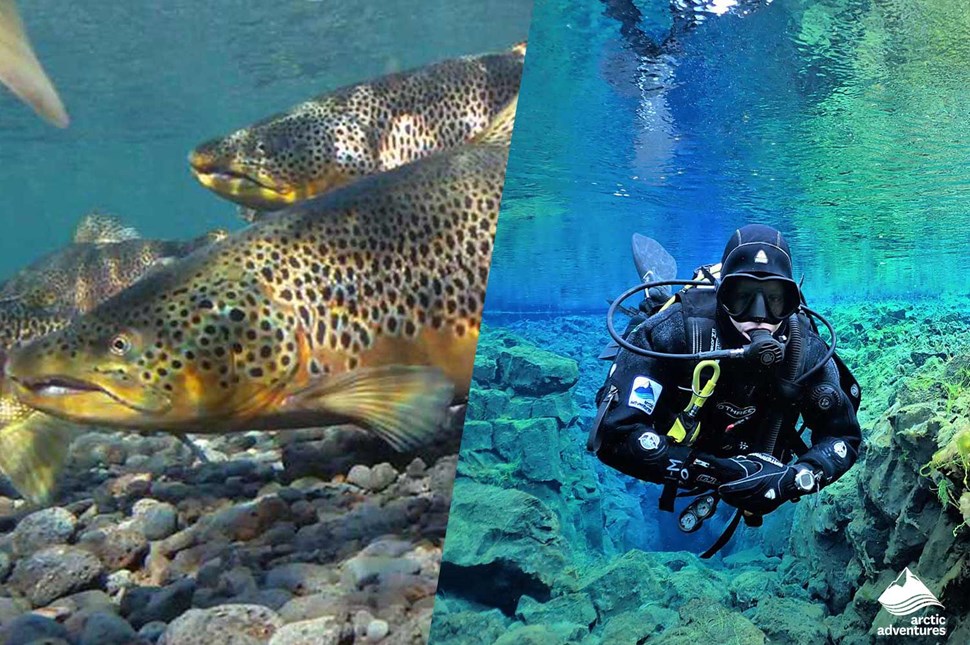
<point x="184" y="347"/>
<point x="284" y="159"/>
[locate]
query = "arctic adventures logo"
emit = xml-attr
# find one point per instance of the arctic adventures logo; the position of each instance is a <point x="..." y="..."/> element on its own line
<point x="907" y="594"/>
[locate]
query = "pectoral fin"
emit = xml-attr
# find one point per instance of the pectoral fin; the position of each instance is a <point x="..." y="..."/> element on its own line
<point x="22" y="72"/>
<point x="499" y="131"/>
<point x="33" y="452"/>
<point x="401" y="404"/>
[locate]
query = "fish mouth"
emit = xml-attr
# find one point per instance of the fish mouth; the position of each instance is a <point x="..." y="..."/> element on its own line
<point x="85" y="400"/>
<point x="240" y="187"/>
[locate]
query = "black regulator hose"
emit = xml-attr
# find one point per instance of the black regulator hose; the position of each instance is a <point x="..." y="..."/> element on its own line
<point x="630" y="347"/>
<point x="765" y="355"/>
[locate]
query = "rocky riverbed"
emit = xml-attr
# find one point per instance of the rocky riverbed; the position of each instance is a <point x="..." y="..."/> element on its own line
<point x="290" y="538"/>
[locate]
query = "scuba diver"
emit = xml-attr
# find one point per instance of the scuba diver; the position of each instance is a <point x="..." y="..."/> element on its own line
<point x="744" y="326"/>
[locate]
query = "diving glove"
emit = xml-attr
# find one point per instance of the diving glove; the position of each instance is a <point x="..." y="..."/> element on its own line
<point x="760" y="483"/>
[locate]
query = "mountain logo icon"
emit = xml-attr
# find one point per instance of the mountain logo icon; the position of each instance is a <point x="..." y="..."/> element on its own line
<point x="907" y="594"/>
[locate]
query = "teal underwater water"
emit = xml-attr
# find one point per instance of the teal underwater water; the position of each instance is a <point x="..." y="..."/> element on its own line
<point x="843" y="124"/>
<point x="840" y="122"/>
<point x="145" y="82"/>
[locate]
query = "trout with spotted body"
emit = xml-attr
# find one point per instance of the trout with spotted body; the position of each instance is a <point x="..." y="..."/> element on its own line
<point x="362" y="305"/>
<point x="104" y="258"/>
<point x="359" y="130"/>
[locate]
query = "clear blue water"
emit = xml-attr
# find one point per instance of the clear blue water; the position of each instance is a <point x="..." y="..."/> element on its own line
<point x="842" y="123"/>
<point x="145" y="82"/>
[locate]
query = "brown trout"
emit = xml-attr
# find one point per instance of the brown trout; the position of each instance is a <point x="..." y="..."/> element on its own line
<point x="359" y="130"/>
<point x="22" y="72"/>
<point x="361" y="305"/>
<point x="104" y="258"/>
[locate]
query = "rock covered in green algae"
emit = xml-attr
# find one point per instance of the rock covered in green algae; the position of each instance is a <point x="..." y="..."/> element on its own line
<point x="576" y="607"/>
<point x="558" y="633"/>
<point x="636" y="626"/>
<point x="703" y="621"/>
<point x="533" y="371"/>
<point x="495" y="525"/>
<point x="788" y="621"/>
<point x="471" y="627"/>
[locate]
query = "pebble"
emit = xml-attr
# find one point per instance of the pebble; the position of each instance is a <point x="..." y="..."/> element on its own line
<point x="165" y="604"/>
<point x="115" y="582"/>
<point x="327" y="603"/>
<point x="238" y="624"/>
<point x="104" y="628"/>
<point x="359" y="476"/>
<point x="152" y="631"/>
<point x="377" y="630"/>
<point x="301" y="578"/>
<point x="321" y="631"/>
<point x="55" y="572"/>
<point x="116" y="547"/>
<point x="362" y="570"/>
<point x="47" y="527"/>
<point x="157" y="520"/>
<point x="28" y="628"/>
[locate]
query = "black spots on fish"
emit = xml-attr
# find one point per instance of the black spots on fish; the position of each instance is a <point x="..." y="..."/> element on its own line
<point x="206" y="304"/>
<point x="236" y="315"/>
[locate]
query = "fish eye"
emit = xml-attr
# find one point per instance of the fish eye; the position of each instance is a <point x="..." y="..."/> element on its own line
<point x="120" y="345"/>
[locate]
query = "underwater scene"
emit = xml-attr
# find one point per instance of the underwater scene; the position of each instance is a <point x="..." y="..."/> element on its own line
<point x="842" y="124"/>
<point x="227" y="219"/>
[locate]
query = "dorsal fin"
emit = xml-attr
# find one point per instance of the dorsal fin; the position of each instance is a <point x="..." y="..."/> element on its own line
<point x="499" y="131"/>
<point x="98" y="228"/>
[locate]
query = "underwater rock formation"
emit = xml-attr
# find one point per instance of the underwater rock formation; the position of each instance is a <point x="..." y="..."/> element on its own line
<point x="547" y="546"/>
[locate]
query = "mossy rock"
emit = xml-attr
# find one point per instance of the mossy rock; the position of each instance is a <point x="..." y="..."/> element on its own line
<point x="549" y="634"/>
<point x="531" y="443"/>
<point x="574" y="608"/>
<point x="626" y="583"/>
<point x="471" y="627"/>
<point x="751" y="588"/>
<point x="787" y="621"/>
<point x="532" y="371"/>
<point x="638" y="625"/>
<point x="706" y="622"/>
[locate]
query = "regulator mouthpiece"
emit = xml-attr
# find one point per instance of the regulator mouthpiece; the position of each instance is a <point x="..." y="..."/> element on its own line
<point x="764" y="348"/>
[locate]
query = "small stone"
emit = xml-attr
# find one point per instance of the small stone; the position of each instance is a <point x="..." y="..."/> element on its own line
<point x="43" y="528"/>
<point x="115" y="582"/>
<point x="29" y="628"/>
<point x="363" y="570"/>
<point x="10" y="609"/>
<point x="105" y="628"/>
<point x="332" y="603"/>
<point x="55" y="572"/>
<point x="301" y="578"/>
<point x="5" y="565"/>
<point x="416" y="468"/>
<point x="360" y="476"/>
<point x="377" y="629"/>
<point x="241" y="624"/>
<point x="117" y="548"/>
<point x="322" y="631"/>
<point x="157" y="520"/>
<point x="152" y="631"/>
<point x="381" y="476"/>
<point x="165" y="604"/>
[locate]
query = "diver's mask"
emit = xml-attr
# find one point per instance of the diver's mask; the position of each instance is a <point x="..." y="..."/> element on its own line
<point x="751" y="298"/>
